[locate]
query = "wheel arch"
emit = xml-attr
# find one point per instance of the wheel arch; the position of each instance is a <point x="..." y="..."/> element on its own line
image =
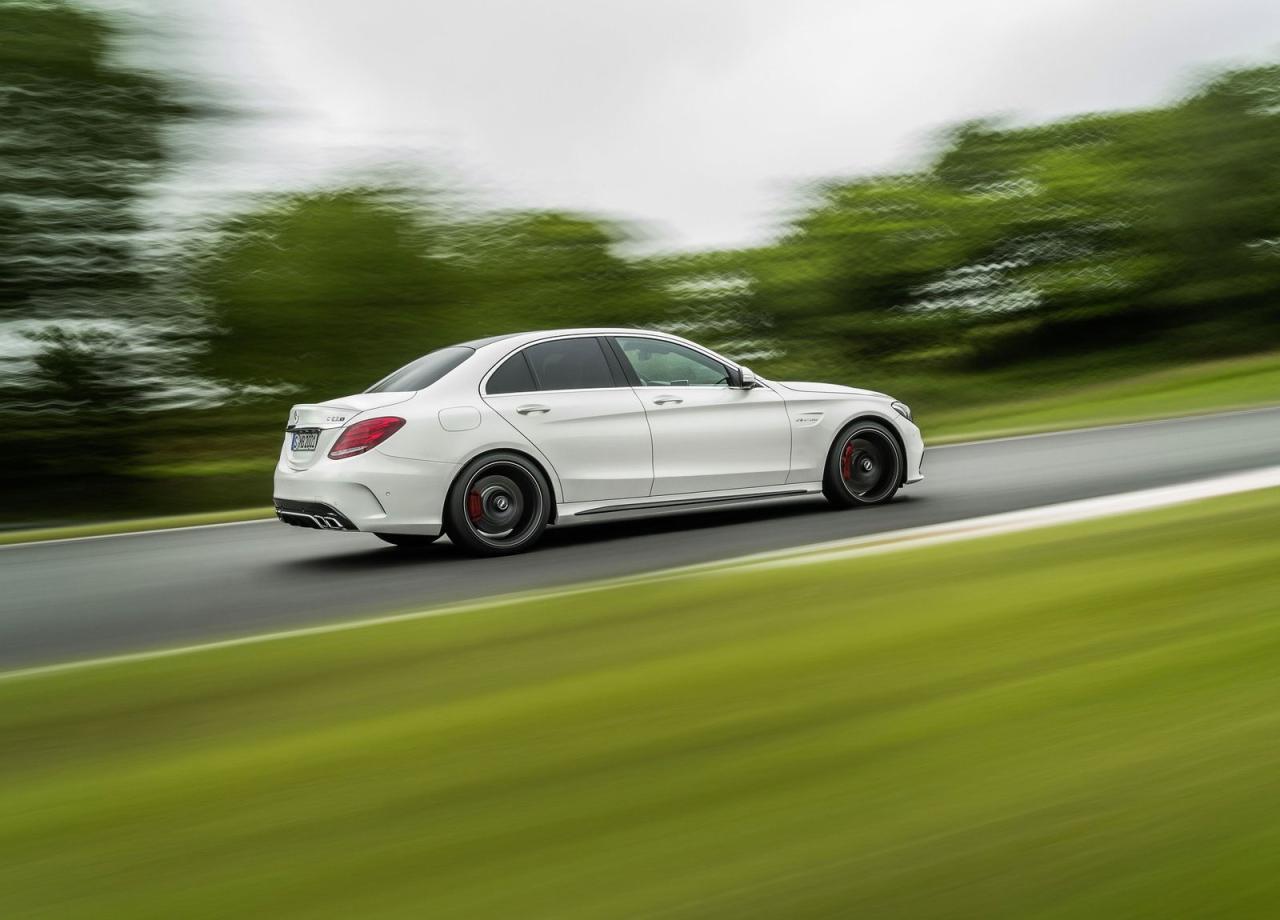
<point x="533" y="461"/>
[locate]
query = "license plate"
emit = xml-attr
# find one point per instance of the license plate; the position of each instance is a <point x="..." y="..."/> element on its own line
<point x="305" y="440"/>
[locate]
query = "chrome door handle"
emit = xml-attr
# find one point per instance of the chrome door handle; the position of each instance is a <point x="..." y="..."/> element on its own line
<point x="667" y="400"/>
<point x="533" y="410"/>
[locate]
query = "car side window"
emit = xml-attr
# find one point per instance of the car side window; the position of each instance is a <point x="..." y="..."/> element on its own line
<point x="569" y="364"/>
<point x="666" y="364"/>
<point x="512" y="376"/>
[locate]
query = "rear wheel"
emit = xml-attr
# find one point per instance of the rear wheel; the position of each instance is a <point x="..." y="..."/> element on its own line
<point x="864" y="466"/>
<point x="498" y="505"/>
<point x="407" y="540"/>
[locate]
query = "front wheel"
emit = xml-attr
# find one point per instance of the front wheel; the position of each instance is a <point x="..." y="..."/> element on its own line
<point x="498" y="505"/>
<point x="864" y="466"/>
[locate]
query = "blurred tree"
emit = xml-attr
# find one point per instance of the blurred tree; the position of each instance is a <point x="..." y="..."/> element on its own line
<point x="327" y="292"/>
<point x="547" y="269"/>
<point x="1064" y="201"/>
<point x="1124" y="229"/>
<point x="711" y="299"/>
<point x="842" y="277"/>
<point x="81" y="136"/>
<point x="324" y="293"/>
<point x="1215" y="172"/>
<point x="88" y="400"/>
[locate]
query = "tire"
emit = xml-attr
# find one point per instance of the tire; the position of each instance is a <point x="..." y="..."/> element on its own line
<point x="864" y="466"/>
<point x="499" y="504"/>
<point x="407" y="540"/>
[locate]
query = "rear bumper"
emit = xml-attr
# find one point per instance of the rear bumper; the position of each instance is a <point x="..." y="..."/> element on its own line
<point x="371" y="492"/>
<point x="313" y="515"/>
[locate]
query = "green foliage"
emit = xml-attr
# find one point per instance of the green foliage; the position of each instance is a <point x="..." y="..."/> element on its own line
<point x="327" y="292"/>
<point x="1024" y="242"/>
<point x="545" y="269"/>
<point x="80" y="136"/>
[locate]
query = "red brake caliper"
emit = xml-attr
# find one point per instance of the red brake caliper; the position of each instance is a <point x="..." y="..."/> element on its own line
<point x="475" y="507"/>
<point x="846" y="461"/>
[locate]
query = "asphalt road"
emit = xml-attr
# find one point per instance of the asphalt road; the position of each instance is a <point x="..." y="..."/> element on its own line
<point x="78" y="599"/>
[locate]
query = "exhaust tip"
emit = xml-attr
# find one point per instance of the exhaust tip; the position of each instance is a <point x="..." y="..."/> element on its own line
<point x="316" y="515"/>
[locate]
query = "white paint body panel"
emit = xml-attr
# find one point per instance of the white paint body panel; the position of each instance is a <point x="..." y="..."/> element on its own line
<point x="708" y="439"/>
<point x="598" y="447"/>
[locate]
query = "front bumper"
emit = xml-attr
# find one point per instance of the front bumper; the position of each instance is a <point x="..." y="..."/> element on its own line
<point x="913" y="441"/>
<point x="371" y="492"/>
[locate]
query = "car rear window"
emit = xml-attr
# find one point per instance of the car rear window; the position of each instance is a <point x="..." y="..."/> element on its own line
<point x="420" y="374"/>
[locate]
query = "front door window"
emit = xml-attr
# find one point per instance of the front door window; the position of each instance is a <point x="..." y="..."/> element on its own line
<point x="666" y="364"/>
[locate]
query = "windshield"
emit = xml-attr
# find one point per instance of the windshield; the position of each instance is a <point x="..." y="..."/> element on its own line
<point x="420" y="374"/>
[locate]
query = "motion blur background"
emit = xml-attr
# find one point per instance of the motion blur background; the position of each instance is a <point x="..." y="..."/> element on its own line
<point x="211" y="211"/>
<point x="1016" y="215"/>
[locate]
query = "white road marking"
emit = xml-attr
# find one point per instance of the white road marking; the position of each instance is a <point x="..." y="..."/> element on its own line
<point x="1084" y="509"/>
<point x="874" y="544"/>
<point x="267" y="518"/>
<point x="1110" y="426"/>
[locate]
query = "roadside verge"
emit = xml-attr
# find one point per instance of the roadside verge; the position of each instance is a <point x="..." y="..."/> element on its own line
<point x="933" y="732"/>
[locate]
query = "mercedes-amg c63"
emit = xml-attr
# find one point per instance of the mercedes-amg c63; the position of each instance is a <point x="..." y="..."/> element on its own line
<point x="493" y="440"/>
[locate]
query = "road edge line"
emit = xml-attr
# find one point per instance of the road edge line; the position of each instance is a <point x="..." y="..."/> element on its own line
<point x="1106" y="426"/>
<point x="267" y="516"/>
<point x="892" y="541"/>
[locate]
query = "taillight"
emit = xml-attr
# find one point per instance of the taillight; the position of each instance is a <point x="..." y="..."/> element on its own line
<point x="364" y="436"/>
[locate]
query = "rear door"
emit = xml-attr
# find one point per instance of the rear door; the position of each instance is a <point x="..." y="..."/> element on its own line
<point x="568" y="396"/>
<point x="707" y="436"/>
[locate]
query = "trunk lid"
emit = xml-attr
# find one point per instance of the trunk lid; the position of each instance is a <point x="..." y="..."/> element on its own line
<point x="326" y="420"/>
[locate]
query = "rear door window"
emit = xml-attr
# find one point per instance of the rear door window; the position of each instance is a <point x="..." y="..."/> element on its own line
<point x="569" y="364"/>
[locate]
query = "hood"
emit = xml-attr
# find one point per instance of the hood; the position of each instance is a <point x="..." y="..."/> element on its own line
<point x="802" y="386"/>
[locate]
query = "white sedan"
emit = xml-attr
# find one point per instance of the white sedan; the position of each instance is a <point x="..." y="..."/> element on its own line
<point x="493" y="440"/>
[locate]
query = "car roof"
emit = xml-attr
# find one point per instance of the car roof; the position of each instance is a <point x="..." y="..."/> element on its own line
<point x="533" y="335"/>
<point x="487" y="340"/>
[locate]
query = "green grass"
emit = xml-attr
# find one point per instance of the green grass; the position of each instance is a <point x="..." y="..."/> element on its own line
<point x="1075" y="722"/>
<point x="132" y="525"/>
<point x="1235" y="383"/>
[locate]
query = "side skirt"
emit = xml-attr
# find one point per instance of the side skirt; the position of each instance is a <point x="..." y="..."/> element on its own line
<point x="686" y="503"/>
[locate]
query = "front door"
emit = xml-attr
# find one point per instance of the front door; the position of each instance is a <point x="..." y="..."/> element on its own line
<point x="707" y="436"/>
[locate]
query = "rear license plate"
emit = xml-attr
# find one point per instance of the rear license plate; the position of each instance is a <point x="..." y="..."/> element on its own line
<point x="305" y="440"/>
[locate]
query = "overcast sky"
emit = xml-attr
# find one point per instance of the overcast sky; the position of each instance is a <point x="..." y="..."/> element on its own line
<point x="695" y="118"/>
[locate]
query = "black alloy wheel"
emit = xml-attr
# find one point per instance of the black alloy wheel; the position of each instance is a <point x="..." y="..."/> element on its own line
<point x="864" y="466"/>
<point x="499" y="504"/>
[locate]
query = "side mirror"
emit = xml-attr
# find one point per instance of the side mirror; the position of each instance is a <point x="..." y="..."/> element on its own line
<point x="743" y="378"/>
